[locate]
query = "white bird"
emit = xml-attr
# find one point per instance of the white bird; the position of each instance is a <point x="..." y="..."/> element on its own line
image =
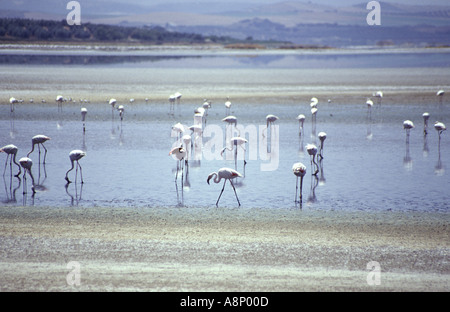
<point x="26" y="164"/>
<point x="270" y="119"/>
<point x="312" y="151"/>
<point x="112" y="102"/>
<point x="12" y="102"/>
<point x="299" y="171"/>
<point x="178" y="97"/>
<point x="83" y="117"/>
<point x="178" y="128"/>
<point x="301" y="119"/>
<point x="11" y="152"/>
<point x="39" y="139"/>
<point x="440" y="93"/>
<point x="227" y="106"/>
<point x="121" y="110"/>
<point x="227" y="174"/>
<point x="440" y="127"/>
<point x="236" y="142"/>
<point x="75" y="156"/>
<point x="379" y="95"/>
<point x="180" y="155"/>
<point x="322" y="136"/>
<point x="408" y="125"/>
<point x="314" y="102"/>
<point x="425" y="116"/>
<point x="59" y="100"/>
<point x="369" y="104"/>
<point x="230" y="120"/>
<point x="172" y="99"/>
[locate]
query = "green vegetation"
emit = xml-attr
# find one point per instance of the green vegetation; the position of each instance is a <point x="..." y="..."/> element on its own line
<point x="16" y="29"/>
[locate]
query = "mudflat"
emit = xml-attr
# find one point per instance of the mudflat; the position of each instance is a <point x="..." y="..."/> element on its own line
<point x="221" y="249"/>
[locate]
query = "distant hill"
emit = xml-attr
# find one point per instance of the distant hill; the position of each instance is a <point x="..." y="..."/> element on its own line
<point x="15" y="29"/>
<point x="299" y="22"/>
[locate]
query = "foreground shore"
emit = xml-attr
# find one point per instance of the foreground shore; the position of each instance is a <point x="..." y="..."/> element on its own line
<point x="221" y="249"/>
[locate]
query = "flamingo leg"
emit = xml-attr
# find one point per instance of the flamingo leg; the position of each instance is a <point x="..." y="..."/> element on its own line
<point x="235" y="192"/>
<point x="81" y="172"/>
<point x="296" y="190"/>
<point x="217" y="203"/>
<point x="6" y="163"/>
<point x="45" y="154"/>
<point x="301" y="186"/>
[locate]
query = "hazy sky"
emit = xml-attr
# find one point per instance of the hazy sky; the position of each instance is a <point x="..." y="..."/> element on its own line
<point x="329" y="2"/>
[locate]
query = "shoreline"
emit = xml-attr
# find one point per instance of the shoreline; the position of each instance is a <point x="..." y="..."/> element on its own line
<point x="192" y="249"/>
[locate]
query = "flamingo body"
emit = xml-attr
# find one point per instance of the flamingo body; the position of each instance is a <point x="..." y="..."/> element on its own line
<point x="11" y="151"/>
<point x="227" y="174"/>
<point x="75" y="156"/>
<point x="39" y="139"/>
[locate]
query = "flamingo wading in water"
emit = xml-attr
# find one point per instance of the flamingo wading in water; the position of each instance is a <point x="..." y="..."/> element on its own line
<point x="227" y="174"/>
<point x="312" y="151"/>
<point x="39" y="139"/>
<point x="440" y="127"/>
<point x="75" y="156"/>
<point x="11" y="152"/>
<point x="299" y="171"/>
<point x="408" y="125"/>
<point x="26" y="164"/>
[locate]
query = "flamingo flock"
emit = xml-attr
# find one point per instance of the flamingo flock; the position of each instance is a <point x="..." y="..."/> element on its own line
<point x="183" y="149"/>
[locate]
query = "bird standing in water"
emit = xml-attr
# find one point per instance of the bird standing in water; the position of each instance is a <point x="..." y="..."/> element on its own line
<point x="228" y="174"/>
<point x="299" y="171"/>
<point x="11" y="152"/>
<point x="75" y="156"/>
<point x="39" y="139"/>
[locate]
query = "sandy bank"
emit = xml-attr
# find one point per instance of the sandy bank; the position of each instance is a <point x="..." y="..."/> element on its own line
<point x="188" y="249"/>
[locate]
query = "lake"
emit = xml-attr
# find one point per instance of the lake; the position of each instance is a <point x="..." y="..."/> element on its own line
<point x="368" y="163"/>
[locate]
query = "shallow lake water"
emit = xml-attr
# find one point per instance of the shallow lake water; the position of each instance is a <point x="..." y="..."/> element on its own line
<point x="368" y="163"/>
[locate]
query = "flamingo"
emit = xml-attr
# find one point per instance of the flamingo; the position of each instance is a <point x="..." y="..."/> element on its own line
<point x="440" y="127"/>
<point x="314" y="102"/>
<point x="12" y="102"/>
<point x="178" y="128"/>
<point x="178" y="97"/>
<point x="83" y="117"/>
<point x="112" y="102"/>
<point x="322" y="136"/>
<point x="408" y="125"/>
<point x="230" y="120"/>
<point x="299" y="171"/>
<point x="270" y="119"/>
<point x="59" y="100"/>
<point x="11" y="151"/>
<point x="312" y="151"/>
<point x="236" y="141"/>
<point x="301" y="119"/>
<point x="172" y="99"/>
<point x="75" y="156"/>
<point x="180" y="155"/>
<point x="26" y="164"/>
<point x="369" y="104"/>
<point x="425" y="116"/>
<point x="379" y="95"/>
<point x="121" y="110"/>
<point x="39" y="139"/>
<point x="227" y="106"/>
<point x="440" y="95"/>
<point x="227" y="174"/>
